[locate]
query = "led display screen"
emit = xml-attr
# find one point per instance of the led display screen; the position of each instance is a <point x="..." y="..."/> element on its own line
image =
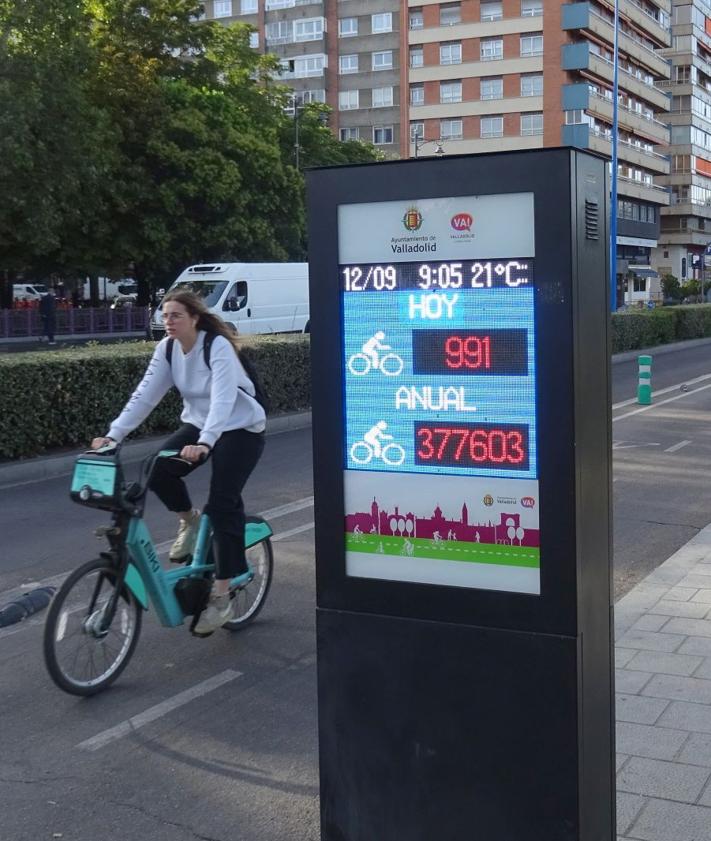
<point x="439" y="367"/>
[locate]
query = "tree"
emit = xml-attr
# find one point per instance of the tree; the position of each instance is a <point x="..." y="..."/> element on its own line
<point x="671" y="288"/>
<point x="55" y="144"/>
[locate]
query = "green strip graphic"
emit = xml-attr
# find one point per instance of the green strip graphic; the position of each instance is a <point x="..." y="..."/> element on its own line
<point x="446" y="550"/>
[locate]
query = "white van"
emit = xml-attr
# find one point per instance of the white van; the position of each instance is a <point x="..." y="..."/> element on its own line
<point x="251" y="297"/>
<point x="28" y="291"/>
<point x="109" y="289"/>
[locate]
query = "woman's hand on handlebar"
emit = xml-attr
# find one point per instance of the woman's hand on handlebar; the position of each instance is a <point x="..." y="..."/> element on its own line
<point x="97" y="443"/>
<point x="195" y="452"/>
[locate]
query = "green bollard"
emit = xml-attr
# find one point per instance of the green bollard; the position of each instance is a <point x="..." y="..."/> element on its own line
<point x="644" y="389"/>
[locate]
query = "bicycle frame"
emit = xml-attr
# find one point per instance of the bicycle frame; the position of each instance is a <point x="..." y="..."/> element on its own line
<point x="149" y="582"/>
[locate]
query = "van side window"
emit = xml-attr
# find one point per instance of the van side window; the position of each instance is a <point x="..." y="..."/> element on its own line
<point x="237" y="297"/>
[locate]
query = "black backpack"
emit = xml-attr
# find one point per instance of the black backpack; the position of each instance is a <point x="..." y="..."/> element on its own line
<point x="260" y="394"/>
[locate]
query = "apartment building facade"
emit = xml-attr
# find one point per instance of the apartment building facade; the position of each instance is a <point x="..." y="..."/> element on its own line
<point x="345" y="53"/>
<point x="686" y="224"/>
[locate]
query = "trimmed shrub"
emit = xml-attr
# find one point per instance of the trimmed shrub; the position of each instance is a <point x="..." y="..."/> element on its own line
<point x="65" y="398"/>
<point x="649" y="328"/>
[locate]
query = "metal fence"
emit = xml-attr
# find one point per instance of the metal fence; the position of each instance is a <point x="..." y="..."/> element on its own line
<point x="16" y="324"/>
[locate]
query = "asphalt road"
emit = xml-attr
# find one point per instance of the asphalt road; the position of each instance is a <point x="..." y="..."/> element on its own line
<point x="236" y="758"/>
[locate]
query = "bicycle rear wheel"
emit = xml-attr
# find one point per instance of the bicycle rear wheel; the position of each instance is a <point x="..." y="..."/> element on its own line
<point x="249" y="599"/>
<point x="80" y="657"/>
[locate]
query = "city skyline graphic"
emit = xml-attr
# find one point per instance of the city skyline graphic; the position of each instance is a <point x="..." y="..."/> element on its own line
<point x="507" y="530"/>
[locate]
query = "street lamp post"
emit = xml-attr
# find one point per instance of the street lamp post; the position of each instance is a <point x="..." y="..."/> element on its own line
<point x="439" y="151"/>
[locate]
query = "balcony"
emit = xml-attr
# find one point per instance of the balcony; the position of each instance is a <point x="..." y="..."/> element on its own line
<point x="580" y="57"/>
<point x="648" y="23"/>
<point x="581" y="16"/>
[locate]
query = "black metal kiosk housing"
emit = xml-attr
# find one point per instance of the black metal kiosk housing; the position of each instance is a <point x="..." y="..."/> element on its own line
<point x="461" y="405"/>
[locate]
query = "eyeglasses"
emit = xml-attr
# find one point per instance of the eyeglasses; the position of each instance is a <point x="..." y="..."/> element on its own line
<point x="172" y="316"/>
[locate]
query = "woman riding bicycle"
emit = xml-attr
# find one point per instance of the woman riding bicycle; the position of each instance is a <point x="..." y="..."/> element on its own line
<point x="220" y="417"/>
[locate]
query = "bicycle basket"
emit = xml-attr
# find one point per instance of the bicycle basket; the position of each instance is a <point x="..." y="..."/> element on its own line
<point x="96" y="481"/>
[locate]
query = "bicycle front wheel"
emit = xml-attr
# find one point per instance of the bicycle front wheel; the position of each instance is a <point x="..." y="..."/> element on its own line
<point x="248" y="600"/>
<point x="81" y="658"/>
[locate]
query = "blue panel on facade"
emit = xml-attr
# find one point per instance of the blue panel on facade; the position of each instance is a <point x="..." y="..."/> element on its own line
<point x="575" y="56"/>
<point x="577" y="136"/>
<point x="575" y="16"/>
<point x="575" y="96"/>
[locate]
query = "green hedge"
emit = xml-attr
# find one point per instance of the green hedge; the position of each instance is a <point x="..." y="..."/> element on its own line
<point x="65" y="398"/>
<point x="649" y="328"/>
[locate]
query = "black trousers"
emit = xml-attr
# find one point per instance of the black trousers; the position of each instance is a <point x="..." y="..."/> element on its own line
<point x="48" y="323"/>
<point x="234" y="457"/>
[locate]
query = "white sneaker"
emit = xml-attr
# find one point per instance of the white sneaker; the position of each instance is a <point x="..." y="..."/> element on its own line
<point x="217" y="612"/>
<point x="184" y="544"/>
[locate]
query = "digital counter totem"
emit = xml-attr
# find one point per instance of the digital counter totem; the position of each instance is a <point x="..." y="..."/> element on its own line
<point x="440" y="468"/>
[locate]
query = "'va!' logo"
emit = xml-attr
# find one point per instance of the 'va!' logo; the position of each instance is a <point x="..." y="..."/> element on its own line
<point x="528" y="501"/>
<point x="462" y="222"/>
<point x="412" y="220"/>
<point x="488" y="499"/>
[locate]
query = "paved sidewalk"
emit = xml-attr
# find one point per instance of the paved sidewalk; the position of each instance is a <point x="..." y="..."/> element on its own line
<point x="663" y="658"/>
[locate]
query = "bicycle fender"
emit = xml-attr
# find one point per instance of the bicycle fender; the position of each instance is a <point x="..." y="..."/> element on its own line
<point x="135" y="584"/>
<point x="255" y="531"/>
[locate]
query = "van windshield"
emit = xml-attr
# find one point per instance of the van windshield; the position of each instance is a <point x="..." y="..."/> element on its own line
<point x="39" y="287"/>
<point x="210" y="290"/>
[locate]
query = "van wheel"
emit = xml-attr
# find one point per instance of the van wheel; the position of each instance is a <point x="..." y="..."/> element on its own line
<point x="307" y="329"/>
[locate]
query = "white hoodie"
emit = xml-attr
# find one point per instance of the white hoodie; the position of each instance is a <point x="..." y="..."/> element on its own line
<point x="215" y="399"/>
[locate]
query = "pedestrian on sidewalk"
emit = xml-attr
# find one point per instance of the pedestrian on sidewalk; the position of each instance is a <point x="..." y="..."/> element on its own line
<point x="48" y="312"/>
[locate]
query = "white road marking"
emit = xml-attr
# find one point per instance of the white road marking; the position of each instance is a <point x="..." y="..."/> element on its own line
<point x="676" y="447"/>
<point x="284" y="534"/>
<point x="664" y="390"/>
<point x="154" y="713"/>
<point x="660" y="403"/>
<point x="622" y="445"/>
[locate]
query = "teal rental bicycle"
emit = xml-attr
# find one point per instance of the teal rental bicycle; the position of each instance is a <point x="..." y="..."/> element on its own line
<point x="94" y="620"/>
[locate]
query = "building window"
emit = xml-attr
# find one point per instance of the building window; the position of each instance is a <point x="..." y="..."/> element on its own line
<point x="382" y="135"/>
<point x="254" y="40"/>
<point x="492" y="11"/>
<point x="223" y="8"/>
<point x="450" y="14"/>
<point x="348" y="133"/>
<point x="491" y="49"/>
<point x="531" y="8"/>
<point x="417" y="131"/>
<point x="382" y="97"/>
<point x="531" y="85"/>
<point x="417" y="94"/>
<point x="305" y="66"/>
<point x="347" y="100"/>
<point x="450" y="53"/>
<point x="492" y="88"/>
<point x="492" y="127"/>
<point x="450" y="130"/>
<point x="531" y="45"/>
<point x="450" y="92"/>
<point x="310" y="29"/>
<point x="316" y="95"/>
<point x="416" y="18"/>
<point x="639" y="284"/>
<point x="278" y="32"/>
<point x="248" y="7"/>
<point x="417" y="58"/>
<point x="382" y="22"/>
<point x="347" y="27"/>
<point x="347" y="64"/>
<point x="531" y="124"/>
<point x="382" y="60"/>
